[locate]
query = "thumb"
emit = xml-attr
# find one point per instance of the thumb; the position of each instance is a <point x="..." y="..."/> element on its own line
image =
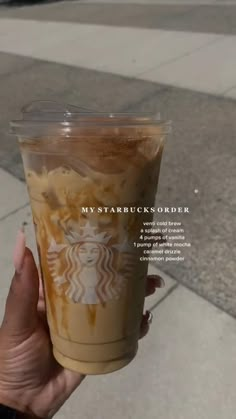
<point x="21" y="317"/>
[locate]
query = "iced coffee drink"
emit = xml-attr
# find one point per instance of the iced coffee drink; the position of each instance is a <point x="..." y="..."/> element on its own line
<point x="86" y="181"/>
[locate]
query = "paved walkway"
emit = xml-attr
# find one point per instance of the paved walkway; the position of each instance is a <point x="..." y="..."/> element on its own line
<point x="160" y="56"/>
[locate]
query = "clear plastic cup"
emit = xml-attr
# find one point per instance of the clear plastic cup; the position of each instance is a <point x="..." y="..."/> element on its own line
<point x="89" y="177"/>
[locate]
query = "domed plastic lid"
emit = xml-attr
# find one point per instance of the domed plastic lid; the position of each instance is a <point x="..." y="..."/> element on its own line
<point x="48" y="118"/>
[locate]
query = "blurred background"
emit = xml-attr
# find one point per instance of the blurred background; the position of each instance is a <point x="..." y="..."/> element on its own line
<point x="174" y="57"/>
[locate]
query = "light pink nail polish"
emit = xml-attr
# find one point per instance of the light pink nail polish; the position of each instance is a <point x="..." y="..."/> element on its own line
<point x="19" y="251"/>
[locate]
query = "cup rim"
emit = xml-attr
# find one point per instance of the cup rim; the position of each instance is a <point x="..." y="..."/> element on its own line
<point x="43" y="116"/>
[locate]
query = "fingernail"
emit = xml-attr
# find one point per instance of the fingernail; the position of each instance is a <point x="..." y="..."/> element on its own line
<point x="148" y="317"/>
<point x="19" y="251"/>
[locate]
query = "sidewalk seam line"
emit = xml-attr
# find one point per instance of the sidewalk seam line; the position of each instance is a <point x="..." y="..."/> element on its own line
<point x="13" y="212"/>
<point x="196" y="292"/>
<point x="170" y="291"/>
<point x="206" y="298"/>
<point x="228" y="90"/>
<point x="217" y="38"/>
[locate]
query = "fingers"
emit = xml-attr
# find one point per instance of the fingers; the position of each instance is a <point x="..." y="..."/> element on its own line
<point x="153" y="282"/>
<point x="145" y="324"/>
<point x="73" y="379"/>
<point x="41" y="308"/>
<point x="41" y="301"/>
<point x="41" y="290"/>
<point x="20" y="316"/>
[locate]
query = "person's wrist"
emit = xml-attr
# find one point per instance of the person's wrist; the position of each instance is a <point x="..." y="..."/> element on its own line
<point x="17" y="403"/>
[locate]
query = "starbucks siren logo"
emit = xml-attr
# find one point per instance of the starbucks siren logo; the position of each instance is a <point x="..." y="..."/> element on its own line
<point x="86" y="266"/>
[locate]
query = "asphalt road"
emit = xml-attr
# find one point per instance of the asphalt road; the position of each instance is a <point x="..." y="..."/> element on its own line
<point x="199" y="163"/>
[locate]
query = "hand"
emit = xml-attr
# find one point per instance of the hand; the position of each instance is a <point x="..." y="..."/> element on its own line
<point x="31" y="380"/>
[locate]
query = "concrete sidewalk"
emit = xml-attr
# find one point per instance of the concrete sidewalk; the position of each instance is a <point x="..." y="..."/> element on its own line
<point x="130" y="52"/>
<point x="185" y="367"/>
